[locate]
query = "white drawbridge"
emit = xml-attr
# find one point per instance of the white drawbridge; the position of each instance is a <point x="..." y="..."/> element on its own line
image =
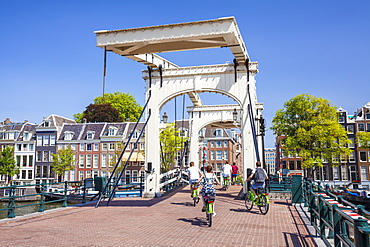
<point x="166" y="80"/>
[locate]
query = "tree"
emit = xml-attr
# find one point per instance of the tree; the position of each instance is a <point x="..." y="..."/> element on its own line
<point x="309" y="129"/>
<point x="63" y="161"/>
<point x="171" y="142"/>
<point x="124" y="103"/>
<point x="8" y="166"/>
<point x="101" y="113"/>
<point x="363" y="139"/>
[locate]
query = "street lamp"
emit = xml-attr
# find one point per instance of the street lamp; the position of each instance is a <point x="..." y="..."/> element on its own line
<point x="164" y="117"/>
<point x="235" y="115"/>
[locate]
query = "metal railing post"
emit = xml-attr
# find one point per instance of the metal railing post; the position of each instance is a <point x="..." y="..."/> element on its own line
<point x="65" y="194"/>
<point x="84" y="193"/>
<point x="11" y="201"/>
<point x="141" y="185"/>
<point x="42" y="197"/>
<point x="336" y="225"/>
<point x="361" y="232"/>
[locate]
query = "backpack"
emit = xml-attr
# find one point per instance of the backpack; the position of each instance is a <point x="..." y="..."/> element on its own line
<point x="259" y="175"/>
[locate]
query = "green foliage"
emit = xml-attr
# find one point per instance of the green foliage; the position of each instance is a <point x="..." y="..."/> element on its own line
<point x="63" y="161"/>
<point x="363" y="139"/>
<point x="124" y="103"/>
<point x="171" y="142"/>
<point x="310" y="130"/>
<point x="8" y="164"/>
<point x="101" y="113"/>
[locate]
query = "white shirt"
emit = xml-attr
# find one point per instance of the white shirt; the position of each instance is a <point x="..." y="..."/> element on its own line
<point x="226" y="170"/>
<point x="193" y="172"/>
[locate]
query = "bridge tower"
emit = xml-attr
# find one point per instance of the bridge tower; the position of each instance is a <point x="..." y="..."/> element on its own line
<point x="166" y="80"/>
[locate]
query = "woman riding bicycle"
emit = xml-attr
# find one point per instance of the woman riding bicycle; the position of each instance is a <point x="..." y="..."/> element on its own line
<point x="208" y="180"/>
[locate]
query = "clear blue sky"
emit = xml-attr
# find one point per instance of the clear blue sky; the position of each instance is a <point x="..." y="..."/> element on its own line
<point x="49" y="62"/>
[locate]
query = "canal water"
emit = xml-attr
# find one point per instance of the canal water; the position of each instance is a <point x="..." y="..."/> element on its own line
<point x="28" y="209"/>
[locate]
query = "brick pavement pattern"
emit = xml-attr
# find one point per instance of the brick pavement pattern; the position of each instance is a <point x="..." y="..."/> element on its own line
<point x="171" y="220"/>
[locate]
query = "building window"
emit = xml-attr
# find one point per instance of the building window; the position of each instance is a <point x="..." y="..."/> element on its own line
<point x="96" y="146"/>
<point x="352" y="157"/>
<point x="82" y="147"/>
<point x="367" y="116"/>
<point x="81" y="175"/>
<point x="111" y="146"/>
<point x="45" y="156"/>
<point x="24" y="161"/>
<point x="30" y="161"/>
<point x="352" y="144"/>
<point x="104" y="147"/>
<point x="218" y="144"/>
<point x="103" y="160"/>
<point x="226" y="155"/>
<point x="361" y="127"/>
<point x="39" y="141"/>
<point x="212" y="144"/>
<point x="46" y="140"/>
<point x="81" y="161"/>
<point x="218" y="155"/>
<point x="31" y="147"/>
<point x="95" y="161"/>
<point x="88" y="161"/>
<point x="226" y="144"/>
<point x="90" y="135"/>
<point x="364" y="173"/>
<point x="134" y="176"/>
<point x="350" y="129"/>
<point x="218" y="133"/>
<point x="112" y="131"/>
<point x="39" y="156"/>
<point x="88" y="147"/>
<point x="212" y="155"/>
<point x="368" y="127"/>
<point x="52" y="140"/>
<point x="19" y="147"/>
<point x="336" y="173"/>
<point x="363" y="156"/>
<point x="30" y="174"/>
<point x="291" y="165"/>
<point x="68" y="135"/>
<point x="111" y="160"/>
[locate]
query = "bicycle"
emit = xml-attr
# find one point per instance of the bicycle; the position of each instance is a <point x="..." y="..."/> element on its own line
<point x="194" y="194"/>
<point x="209" y="200"/>
<point x="226" y="183"/>
<point x="262" y="200"/>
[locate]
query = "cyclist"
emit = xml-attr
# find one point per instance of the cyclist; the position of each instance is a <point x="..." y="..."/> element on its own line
<point x="194" y="175"/>
<point x="259" y="176"/>
<point x="209" y="179"/>
<point x="226" y="171"/>
<point x="234" y="173"/>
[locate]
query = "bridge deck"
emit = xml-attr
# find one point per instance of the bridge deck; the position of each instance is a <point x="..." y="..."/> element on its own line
<point x="167" y="221"/>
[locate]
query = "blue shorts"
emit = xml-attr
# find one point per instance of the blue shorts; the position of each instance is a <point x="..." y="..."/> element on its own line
<point x="193" y="181"/>
<point x="258" y="185"/>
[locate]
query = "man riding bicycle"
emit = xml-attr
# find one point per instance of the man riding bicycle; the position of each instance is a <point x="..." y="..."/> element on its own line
<point x="259" y="176"/>
<point x="194" y="175"/>
<point x="226" y="171"/>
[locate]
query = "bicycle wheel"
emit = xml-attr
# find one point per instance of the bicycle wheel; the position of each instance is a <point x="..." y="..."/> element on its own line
<point x="209" y="219"/>
<point x="248" y="200"/>
<point x="264" y="206"/>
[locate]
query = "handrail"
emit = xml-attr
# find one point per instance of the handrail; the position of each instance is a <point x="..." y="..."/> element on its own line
<point x="337" y="221"/>
<point x="38" y="198"/>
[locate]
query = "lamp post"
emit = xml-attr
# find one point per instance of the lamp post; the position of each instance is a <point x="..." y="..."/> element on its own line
<point x="164" y="117"/>
<point x="235" y="115"/>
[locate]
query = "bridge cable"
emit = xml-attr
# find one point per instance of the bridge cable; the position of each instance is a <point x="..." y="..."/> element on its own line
<point x="253" y="126"/>
<point x="102" y="194"/>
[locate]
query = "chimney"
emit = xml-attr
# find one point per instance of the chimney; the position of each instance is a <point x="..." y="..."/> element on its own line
<point x="7" y="121"/>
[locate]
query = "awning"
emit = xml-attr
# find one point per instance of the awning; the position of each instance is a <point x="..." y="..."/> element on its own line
<point x="134" y="157"/>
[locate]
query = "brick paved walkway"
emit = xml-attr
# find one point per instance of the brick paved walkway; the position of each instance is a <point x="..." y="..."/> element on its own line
<point x="167" y="221"/>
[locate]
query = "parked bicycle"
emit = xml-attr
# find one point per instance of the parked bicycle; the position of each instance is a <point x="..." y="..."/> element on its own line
<point x="226" y="183"/>
<point x="262" y="200"/>
<point x="194" y="194"/>
<point x="209" y="209"/>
